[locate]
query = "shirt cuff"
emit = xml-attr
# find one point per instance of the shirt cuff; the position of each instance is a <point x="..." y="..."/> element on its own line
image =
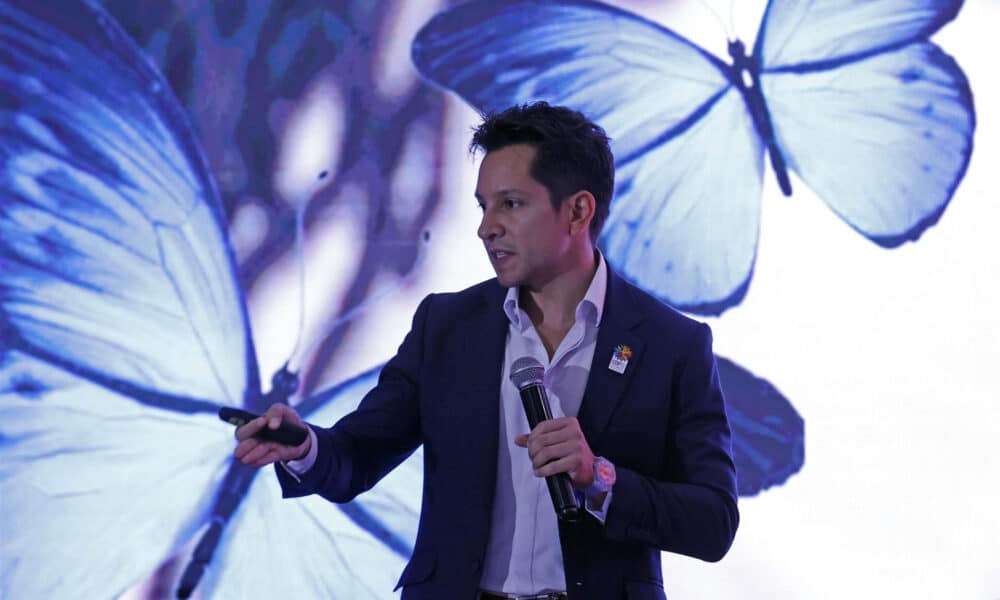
<point x="599" y="512"/>
<point x="297" y="468"/>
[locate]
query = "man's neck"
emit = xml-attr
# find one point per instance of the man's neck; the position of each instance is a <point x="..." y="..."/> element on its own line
<point x="552" y="307"/>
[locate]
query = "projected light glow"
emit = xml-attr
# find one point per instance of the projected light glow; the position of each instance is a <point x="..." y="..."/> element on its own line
<point x="886" y="354"/>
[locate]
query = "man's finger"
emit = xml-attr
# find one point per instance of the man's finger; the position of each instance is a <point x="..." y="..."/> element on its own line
<point x="563" y="465"/>
<point x="521" y="440"/>
<point x="549" y="425"/>
<point x="270" y="457"/>
<point x="552" y="453"/>
<point x="553" y="438"/>
<point x="252" y="453"/>
<point x="245" y="447"/>
<point x="254" y="456"/>
<point x="249" y="429"/>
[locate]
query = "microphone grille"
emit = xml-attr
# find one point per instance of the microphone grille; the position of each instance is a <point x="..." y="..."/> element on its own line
<point x="526" y="371"/>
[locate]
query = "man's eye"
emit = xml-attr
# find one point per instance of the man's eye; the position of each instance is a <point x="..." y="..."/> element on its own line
<point x="512" y="203"/>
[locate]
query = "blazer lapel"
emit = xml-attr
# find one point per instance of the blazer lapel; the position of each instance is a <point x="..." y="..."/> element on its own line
<point x="481" y="367"/>
<point x="619" y="327"/>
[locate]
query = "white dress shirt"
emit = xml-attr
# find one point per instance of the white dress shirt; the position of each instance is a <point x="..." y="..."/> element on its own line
<point x="523" y="555"/>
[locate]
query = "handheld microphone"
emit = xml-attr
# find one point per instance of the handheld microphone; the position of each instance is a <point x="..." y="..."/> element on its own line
<point x="528" y="375"/>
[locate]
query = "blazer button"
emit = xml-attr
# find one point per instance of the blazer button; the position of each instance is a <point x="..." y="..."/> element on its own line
<point x="476" y="564"/>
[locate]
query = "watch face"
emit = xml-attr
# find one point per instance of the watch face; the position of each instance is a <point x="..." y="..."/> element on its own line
<point x="605" y="472"/>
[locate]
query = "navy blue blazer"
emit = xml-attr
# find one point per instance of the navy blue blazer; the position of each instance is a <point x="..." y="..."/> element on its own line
<point x="662" y="423"/>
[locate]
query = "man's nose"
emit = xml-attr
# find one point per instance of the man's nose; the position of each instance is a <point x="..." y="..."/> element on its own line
<point x="489" y="229"/>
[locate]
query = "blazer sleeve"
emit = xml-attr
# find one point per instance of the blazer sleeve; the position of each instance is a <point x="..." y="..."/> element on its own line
<point x="362" y="447"/>
<point x="692" y="511"/>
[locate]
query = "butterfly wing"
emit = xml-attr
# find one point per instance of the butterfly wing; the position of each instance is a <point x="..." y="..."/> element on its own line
<point x="768" y="433"/>
<point x="357" y="551"/>
<point x="659" y="97"/>
<point x="95" y="489"/>
<point x="793" y="34"/>
<point x="274" y="547"/>
<point x="882" y="134"/>
<point x="121" y="326"/>
<point x="390" y="510"/>
<point x="693" y="242"/>
<point x="112" y="259"/>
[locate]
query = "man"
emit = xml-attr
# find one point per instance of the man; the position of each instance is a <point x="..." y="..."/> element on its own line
<point x="640" y="423"/>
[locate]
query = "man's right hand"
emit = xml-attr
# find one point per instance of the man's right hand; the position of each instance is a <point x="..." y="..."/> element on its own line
<point x="260" y="453"/>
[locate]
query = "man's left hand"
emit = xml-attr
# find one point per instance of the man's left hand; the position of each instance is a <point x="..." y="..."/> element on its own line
<point x="558" y="446"/>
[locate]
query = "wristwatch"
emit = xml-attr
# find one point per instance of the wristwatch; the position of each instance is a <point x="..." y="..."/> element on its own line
<point x="604" y="477"/>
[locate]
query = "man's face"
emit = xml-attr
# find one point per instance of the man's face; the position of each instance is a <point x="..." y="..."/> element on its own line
<point x="526" y="238"/>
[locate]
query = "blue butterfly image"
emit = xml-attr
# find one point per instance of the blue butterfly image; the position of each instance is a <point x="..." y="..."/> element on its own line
<point x="848" y="94"/>
<point x="123" y="330"/>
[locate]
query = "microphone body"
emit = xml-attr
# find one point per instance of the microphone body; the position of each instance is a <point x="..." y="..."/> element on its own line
<point x="527" y="374"/>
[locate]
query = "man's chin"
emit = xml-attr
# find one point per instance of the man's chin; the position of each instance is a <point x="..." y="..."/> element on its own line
<point x="507" y="281"/>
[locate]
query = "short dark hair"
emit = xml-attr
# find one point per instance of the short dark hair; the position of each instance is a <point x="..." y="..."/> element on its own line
<point x="572" y="152"/>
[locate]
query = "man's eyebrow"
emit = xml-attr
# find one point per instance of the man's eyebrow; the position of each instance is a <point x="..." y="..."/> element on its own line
<point x="502" y="192"/>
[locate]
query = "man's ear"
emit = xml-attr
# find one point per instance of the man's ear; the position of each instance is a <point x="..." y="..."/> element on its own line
<point x="581" y="209"/>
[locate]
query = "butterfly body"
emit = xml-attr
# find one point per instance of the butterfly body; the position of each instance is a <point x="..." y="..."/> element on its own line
<point x="230" y="494"/>
<point x="235" y="486"/>
<point x="744" y="74"/>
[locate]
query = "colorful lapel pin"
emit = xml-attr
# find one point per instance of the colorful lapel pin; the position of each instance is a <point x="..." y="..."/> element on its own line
<point x="619" y="360"/>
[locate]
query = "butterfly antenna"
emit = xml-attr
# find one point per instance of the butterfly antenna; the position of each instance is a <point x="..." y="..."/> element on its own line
<point x="300" y="254"/>
<point x="732" y="20"/>
<point x="373" y="299"/>
<point x="730" y="31"/>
